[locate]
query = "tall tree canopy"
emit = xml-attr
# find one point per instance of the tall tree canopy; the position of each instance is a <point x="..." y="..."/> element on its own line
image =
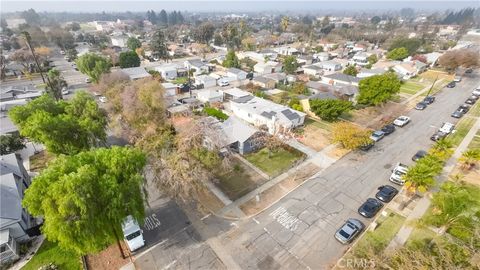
<point x="133" y="43"/>
<point x="56" y="83"/>
<point x="290" y="64"/>
<point x="204" y="32"/>
<point x="129" y="59"/>
<point x="231" y="60"/>
<point x="64" y="127"/>
<point x="158" y="46"/>
<point x="93" y="65"/>
<point x="84" y="198"/>
<point x="377" y="89"/>
<point x="329" y="109"/>
<point x="397" y="54"/>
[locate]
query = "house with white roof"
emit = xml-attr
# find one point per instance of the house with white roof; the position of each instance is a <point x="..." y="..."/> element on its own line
<point x="234" y="93"/>
<point x="119" y="40"/>
<point x="268" y="67"/>
<point x="360" y="58"/>
<point x="198" y="65"/>
<point x="135" y="73"/>
<point x="364" y="72"/>
<point x="340" y="78"/>
<point x="16" y="224"/>
<point x="205" y="80"/>
<point x="405" y="70"/>
<point x="170" y="71"/>
<point x="286" y="50"/>
<point x="330" y="65"/>
<point x="313" y="70"/>
<point x="210" y="96"/>
<point x="236" y="74"/>
<point x="170" y="89"/>
<point x="432" y="58"/>
<point x="261" y="112"/>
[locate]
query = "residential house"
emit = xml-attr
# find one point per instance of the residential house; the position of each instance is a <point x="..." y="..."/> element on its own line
<point x="268" y="67"/>
<point x="318" y="87"/>
<point x="322" y="56"/>
<point x="264" y="82"/>
<point x="234" y="93"/>
<point x="327" y="46"/>
<point x="210" y="96"/>
<point x="419" y="66"/>
<point x="170" y="71"/>
<point x="135" y="73"/>
<point x="313" y="70"/>
<point x="360" y="59"/>
<point x="232" y="133"/>
<point x="205" y="80"/>
<point x="277" y="77"/>
<point x="16" y="224"/>
<point x="385" y="64"/>
<point x="261" y="112"/>
<point x="257" y="57"/>
<point x="170" y="89"/>
<point x="330" y="66"/>
<point x="305" y="60"/>
<point x="340" y="78"/>
<point x="365" y="72"/>
<point x="405" y="70"/>
<point x="6" y="125"/>
<point x="286" y="50"/>
<point x="268" y="54"/>
<point x="432" y="58"/>
<point x="119" y="40"/>
<point x="236" y="74"/>
<point x="197" y="65"/>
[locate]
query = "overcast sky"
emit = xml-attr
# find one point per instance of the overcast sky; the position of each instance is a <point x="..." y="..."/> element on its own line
<point x="229" y="5"/>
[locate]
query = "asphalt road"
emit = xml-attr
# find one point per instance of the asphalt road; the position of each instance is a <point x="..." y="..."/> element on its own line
<point x="297" y="232"/>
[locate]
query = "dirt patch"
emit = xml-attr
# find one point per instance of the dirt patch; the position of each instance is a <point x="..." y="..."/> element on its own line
<point x="109" y="259"/>
<point x="209" y="203"/>
<point x="337" y="152"/>
<point x="314" y="137"/>
<point x="376" y="117"/>
<point x="40" y="160"/>
<point x="276" y="192"/>
<point x="472" y="176"/>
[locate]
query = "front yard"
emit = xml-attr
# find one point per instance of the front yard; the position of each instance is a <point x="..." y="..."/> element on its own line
<point x="411" y="87"/>
<point x="315" y="134"/>
<point x="50" y="252"/>
<point x="276" y="162"/>
<point x="239" y="181"/>
<point x="461" y="129"/>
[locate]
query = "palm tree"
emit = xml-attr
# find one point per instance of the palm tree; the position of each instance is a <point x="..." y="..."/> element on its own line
<point x="421" y="177"/>
<point x="442" y="149"/>
<point x="284" y="23"/>
<point x="469" y="159"/>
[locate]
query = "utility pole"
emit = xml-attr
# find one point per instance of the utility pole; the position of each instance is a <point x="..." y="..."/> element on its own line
<point x="429" y="90"/>
<point x="28" y="39"/>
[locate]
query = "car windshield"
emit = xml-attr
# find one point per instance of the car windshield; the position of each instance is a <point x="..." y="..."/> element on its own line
<point x="133" y="235"/>
<point x="344" y="234"/>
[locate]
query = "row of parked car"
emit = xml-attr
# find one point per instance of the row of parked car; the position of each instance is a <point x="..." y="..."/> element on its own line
<point x="463" y="109"/>
<point x="353" y="227"/>
<point x="385" y="193"/>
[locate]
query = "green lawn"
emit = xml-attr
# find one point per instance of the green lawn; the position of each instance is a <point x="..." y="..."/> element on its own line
<point x="51" y="253"/>
<point x="411" y="87"/>
<point x="420" y="235"/>
<point x="462" y="129"/>
<point x="278" y="162"/>
<point x="235" y="183"/>
<point x="378" y="239"/>
<point x="180" y="80"/>
<point x="318" y="123"/>
<point x="475" y="110"/>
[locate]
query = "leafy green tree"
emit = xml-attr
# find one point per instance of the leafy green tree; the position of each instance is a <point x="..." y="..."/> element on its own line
<point x="158" y="46"/>
<point x="470" y="158"/>
<point x="375" y="19"/>
<point x="129" y="59"/>
<point x="215" y="113"/>
<point x="421" y="176"/>
<point x="231" y="60"/>
<point x="133" y="43"/>
<point x="11" y="143"/>
<point x="318" y="49"/>
<point x="442" y="149"/>
<point x="56" y="83"/>
<point x="397" y="54"/>
<point x="350" y="70"/>
<point x="72" y="54"/>
<point x="204" y="32"/>
<point x="411" y="44"/>
<point x="372" y="59"/>
<point x="290" y="64"/>
<point x="64" y="127"/>
<point x="377" y="89"/>
<point x="84" y="198"/>
<point x="329" y="109"/>
<point x="93" y="65"/>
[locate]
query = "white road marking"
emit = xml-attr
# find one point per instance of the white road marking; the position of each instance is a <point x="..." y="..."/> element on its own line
<point x="170" y="264"/>
<point x="205" y="217"/>
<point x="287" y="220"/>
<point x="256" y="221"/>
<point x="152" y="222"/>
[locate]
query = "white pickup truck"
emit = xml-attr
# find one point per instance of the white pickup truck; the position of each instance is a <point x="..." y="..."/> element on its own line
<point x="447" y="128"/>
<point x="132" y="233"/>
<point x="397" y="174"/>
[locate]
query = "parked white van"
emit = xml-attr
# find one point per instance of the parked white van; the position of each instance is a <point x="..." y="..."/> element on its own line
<point x="132" y="234"/>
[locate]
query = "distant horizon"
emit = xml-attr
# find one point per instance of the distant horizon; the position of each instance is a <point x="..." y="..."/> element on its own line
<point x="233" y="6"/>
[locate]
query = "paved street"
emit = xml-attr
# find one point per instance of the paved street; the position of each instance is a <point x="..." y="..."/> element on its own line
<point x="297" y="232"/>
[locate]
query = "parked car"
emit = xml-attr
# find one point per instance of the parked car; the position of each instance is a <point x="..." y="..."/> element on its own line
<point x="65" y="91"/>
<point x="420" y="154"/>
<point x="447" y="127"/>
<point x="62" y="52"/>
<point x="429" y="99"/>
<point x="476" y="92"/>
<point x="388" y="129"/>
<point x="438" y="136"/>
<point x="366" y="147"/>
<point x="132" y="233"/>
<point x="370" y="208"/>
<point x="386" y="193"/>
<point x="457" y="114"/>
<point x="451" y="84"/>
<point x="468" y="71"/>
<point x="470" y="101"/>
<point x="421" y="106"/>
<point x="397" y="173"/>
<point x="401" y="121"/>
<point x="223" y="82"/>
<point x="474" y="97"/>
<point x="457" y="78"/>
<point x="351" y="229"/>
<point x="87" y="80"/>
<point x="103" y="99"/>
<point x="96" y="94"/>
<point x="377" y="135"/>
<point x="464" y="107"/>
